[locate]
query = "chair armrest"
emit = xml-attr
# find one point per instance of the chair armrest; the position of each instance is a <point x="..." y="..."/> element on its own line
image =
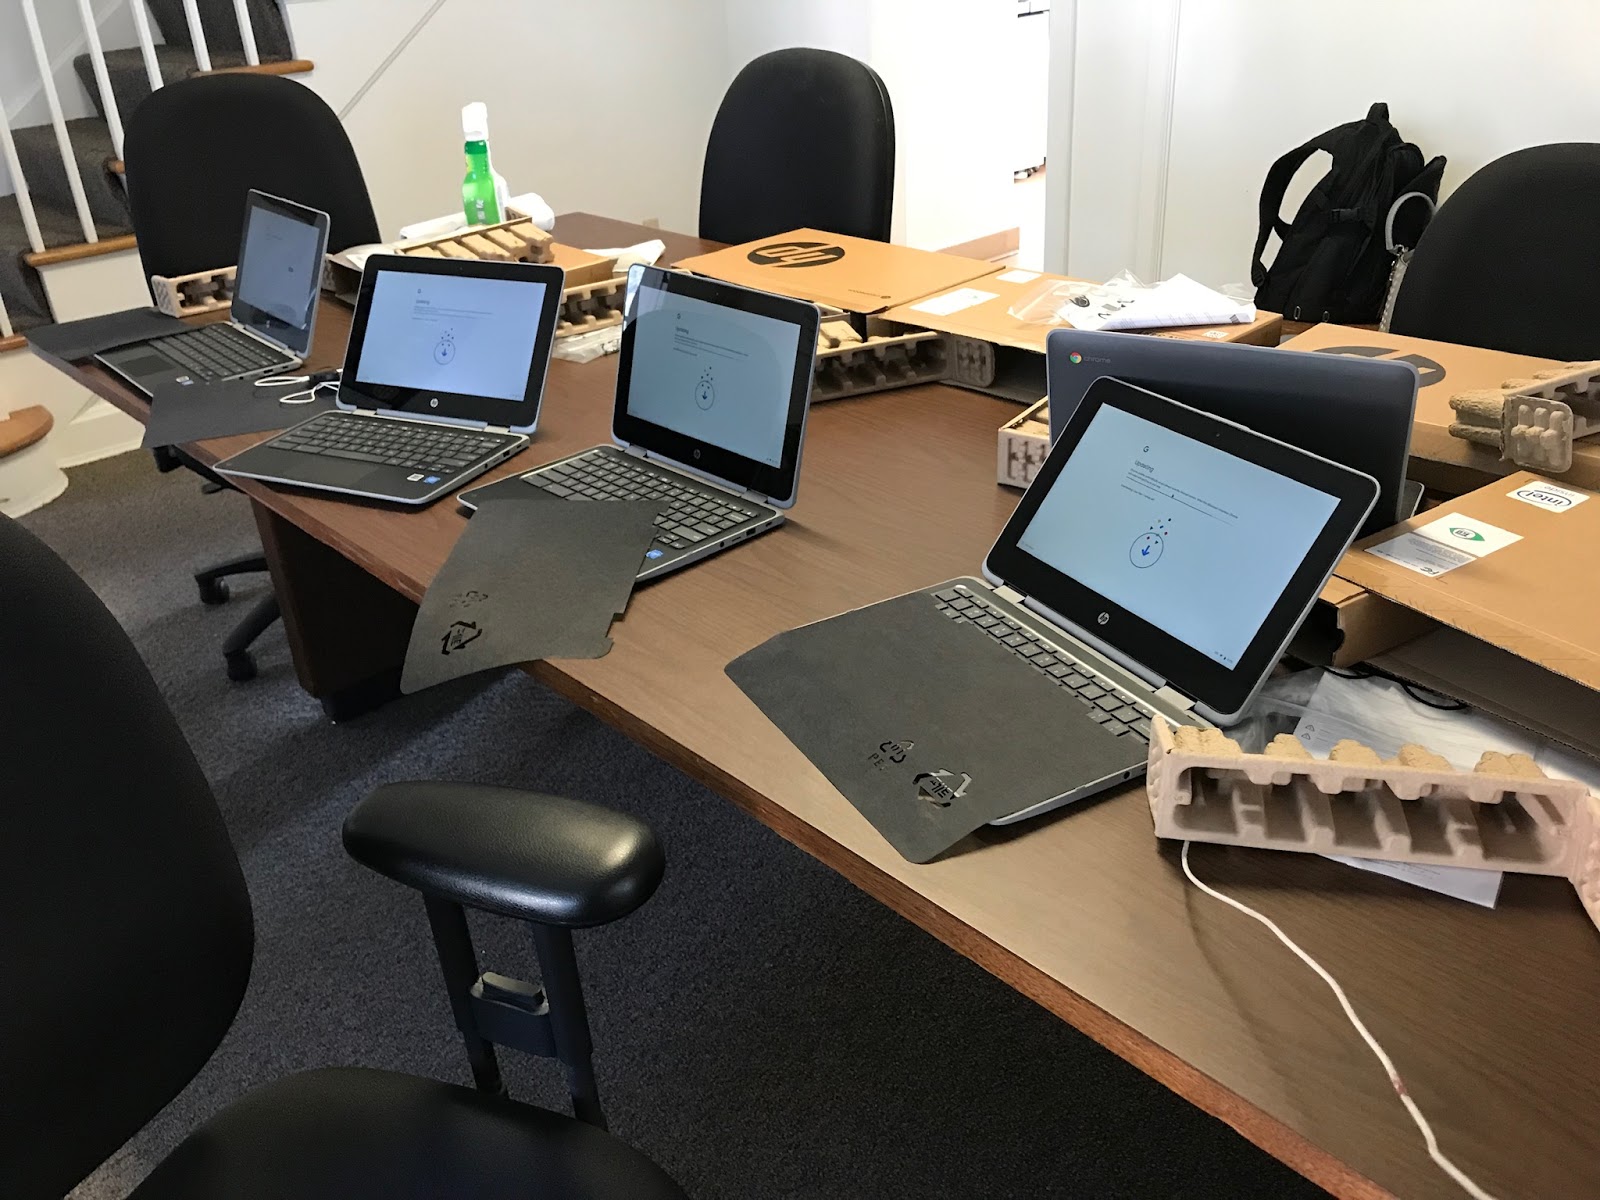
<point x="521" y="854"/>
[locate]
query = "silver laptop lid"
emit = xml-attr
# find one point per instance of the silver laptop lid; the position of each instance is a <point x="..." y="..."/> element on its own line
<point x="279" y="277"/>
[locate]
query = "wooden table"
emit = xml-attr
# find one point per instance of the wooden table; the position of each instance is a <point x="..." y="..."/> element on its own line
<point x="1491" y="1016"/>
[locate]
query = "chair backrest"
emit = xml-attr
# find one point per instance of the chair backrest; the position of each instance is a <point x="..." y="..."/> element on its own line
<point x="126" y="937"/>
<point x="804" y="138"/>
<point x="195" y="148"/>
<point x="1510" y="260"/>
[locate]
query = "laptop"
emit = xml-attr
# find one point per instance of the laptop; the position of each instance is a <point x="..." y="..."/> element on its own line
<point x="713" y="386"/>
<point x="1158" y="566"/>
<point x="443" y="378"/>
<point x="1355" y="411"/>
<point x="273" y="316"/>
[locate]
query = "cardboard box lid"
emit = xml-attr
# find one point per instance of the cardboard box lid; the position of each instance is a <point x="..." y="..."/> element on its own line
<point x="1534" y="597"/>
<point x="851" y="273"/>
<point x="978" y="308"/>
<point x="1446" y="369"/>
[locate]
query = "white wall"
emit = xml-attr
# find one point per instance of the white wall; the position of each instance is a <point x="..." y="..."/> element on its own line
<point x="602" y="106"/>
<point x="606" y="105"/>
<point x="1178" y="109"/>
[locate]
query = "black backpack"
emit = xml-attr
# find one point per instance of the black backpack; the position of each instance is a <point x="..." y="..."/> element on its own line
<point x="1335" y="259"/>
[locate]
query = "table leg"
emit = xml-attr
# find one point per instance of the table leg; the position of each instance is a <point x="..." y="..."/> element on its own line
<point x="346" y="630"/>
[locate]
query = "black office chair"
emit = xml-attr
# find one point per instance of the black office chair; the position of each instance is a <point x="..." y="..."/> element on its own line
<point x="804" y="138"/>
<point x="193" y="150"/>
<point x="1509" y="262"/>
<point x="129" y="938"/>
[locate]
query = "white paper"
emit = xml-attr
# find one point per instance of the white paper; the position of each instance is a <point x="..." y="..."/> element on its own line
<point x="1422" y="555"/>
<point x="1541" y="493"/>
<point x="1018" y="277"/>
<point x="645" y="252"/>
<point x="953" y="302"/>
<point x="1177" y="301"/>
<point x="1444" y="544"/>
<point x="1462" y="883"/>
<point x="1477" y="538"/>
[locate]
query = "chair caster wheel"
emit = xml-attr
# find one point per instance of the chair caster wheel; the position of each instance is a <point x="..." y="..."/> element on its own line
<point x="241" y="666"/>
<point x="213" y="591"/>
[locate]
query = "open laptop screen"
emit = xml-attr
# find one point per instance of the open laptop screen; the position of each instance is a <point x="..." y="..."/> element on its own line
<point x="280" y="270"/>
<point x="1171" y="512"/>
<point x="717" y="378"/>
<point x="1188" y="547"/>
<point x="452" y="340"/>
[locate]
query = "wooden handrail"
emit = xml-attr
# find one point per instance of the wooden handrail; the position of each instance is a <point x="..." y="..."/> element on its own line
<point x="61" y="254"/>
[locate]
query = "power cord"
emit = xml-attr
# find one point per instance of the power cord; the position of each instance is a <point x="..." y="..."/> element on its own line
<point x="1445" y="1165"/>
<point x="1426" y="697"/>
<point x="317" y="381"/>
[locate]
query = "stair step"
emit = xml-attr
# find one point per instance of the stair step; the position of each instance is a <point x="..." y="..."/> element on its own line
<point x="20" y="287"/>
<point x="46" y="174"/>
<point x="130" y="82"/>
<point x="220" y="24"/>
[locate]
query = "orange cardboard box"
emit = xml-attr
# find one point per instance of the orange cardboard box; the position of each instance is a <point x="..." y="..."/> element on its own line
<point x="1444" y="370"/>
<point x="1513" y="564"/>
<point x="853" y="274"/>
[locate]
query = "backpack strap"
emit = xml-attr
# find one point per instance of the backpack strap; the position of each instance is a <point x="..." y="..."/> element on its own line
<point x="1277" y="184"/>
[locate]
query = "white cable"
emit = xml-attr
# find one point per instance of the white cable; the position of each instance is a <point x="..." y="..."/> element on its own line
<point x="305" y="396"/>
<point x="1445" y="1165"/>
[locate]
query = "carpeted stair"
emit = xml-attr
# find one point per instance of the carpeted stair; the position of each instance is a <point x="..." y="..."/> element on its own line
<point x="37" y="150"/>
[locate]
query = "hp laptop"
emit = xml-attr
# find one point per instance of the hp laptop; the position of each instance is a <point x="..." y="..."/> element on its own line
<point x="1355" y="411"/>
<point x="1157" y="566"/>
<point x="443" y="377"/>
<point x="713" y="384"/>
<point x="273" y="315"/>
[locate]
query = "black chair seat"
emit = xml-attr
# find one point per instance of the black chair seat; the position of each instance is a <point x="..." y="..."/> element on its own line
<point x="537" y="858"/>
<point x="345" y="1133"/>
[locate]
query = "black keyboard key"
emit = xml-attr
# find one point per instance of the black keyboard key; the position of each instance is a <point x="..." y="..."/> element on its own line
<point x="1057" y="671"/>
<point x="1012" y="639"/>
<point x="1115" y="726"/>
<point x="1091" y="692"/>
<point x="1108" y="704"/>
<point x="1098" y="717"/>
<point x="1127" y="713"/>
<point x="1141" y="727"/>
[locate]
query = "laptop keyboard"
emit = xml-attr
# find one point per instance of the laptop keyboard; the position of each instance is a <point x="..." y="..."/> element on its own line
<point x="220" y="351"/>
<point x="1107" y="704"/>
<point x="696" y="514"/>
<point x="410" y="445"/>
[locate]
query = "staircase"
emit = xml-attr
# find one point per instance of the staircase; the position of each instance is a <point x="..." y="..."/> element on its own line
<point x="39" y="155"/>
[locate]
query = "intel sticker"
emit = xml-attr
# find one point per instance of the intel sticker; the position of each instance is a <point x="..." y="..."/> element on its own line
<point x="1543" y="494"/>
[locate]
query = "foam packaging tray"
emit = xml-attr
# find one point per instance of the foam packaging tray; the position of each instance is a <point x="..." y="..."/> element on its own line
<point x="1504" y="815"/>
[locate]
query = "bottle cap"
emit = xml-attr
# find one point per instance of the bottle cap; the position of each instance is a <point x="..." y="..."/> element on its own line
<point x="475" y="121"/>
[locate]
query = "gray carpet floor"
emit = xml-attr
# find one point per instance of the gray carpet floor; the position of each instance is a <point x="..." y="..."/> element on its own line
<point x="764" y="1030"/>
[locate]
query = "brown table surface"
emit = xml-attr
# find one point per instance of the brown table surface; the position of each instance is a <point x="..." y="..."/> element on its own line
<point x="1490" y="1016"/>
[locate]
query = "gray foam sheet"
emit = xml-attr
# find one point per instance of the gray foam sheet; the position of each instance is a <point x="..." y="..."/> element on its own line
<point x="76" y="340"/>
<point x="182" y="413"/>
<point x="532" y="577"/>
<point x="928" y="728"/>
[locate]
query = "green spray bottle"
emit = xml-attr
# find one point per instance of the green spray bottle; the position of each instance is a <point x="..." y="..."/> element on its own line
<point x="482" y="191"/>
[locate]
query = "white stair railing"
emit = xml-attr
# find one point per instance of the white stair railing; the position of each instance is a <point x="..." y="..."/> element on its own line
<point x="52" y="101"/>
<point x="147" y="43"/>
<point x="19" y="182"/>
<point x="197" y="34"/>
<point x="102" y="77"/>
<point x="5" y="320"/>
<point x="247" y="32"/>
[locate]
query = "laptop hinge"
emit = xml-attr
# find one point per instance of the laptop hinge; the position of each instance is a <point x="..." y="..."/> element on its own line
<point x="497" y="429"/>
<point x="636" y="451"/>
<point x="1176" y="699"/>
<point x="1006" y="592"/>
<point x="754" y="496"/>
